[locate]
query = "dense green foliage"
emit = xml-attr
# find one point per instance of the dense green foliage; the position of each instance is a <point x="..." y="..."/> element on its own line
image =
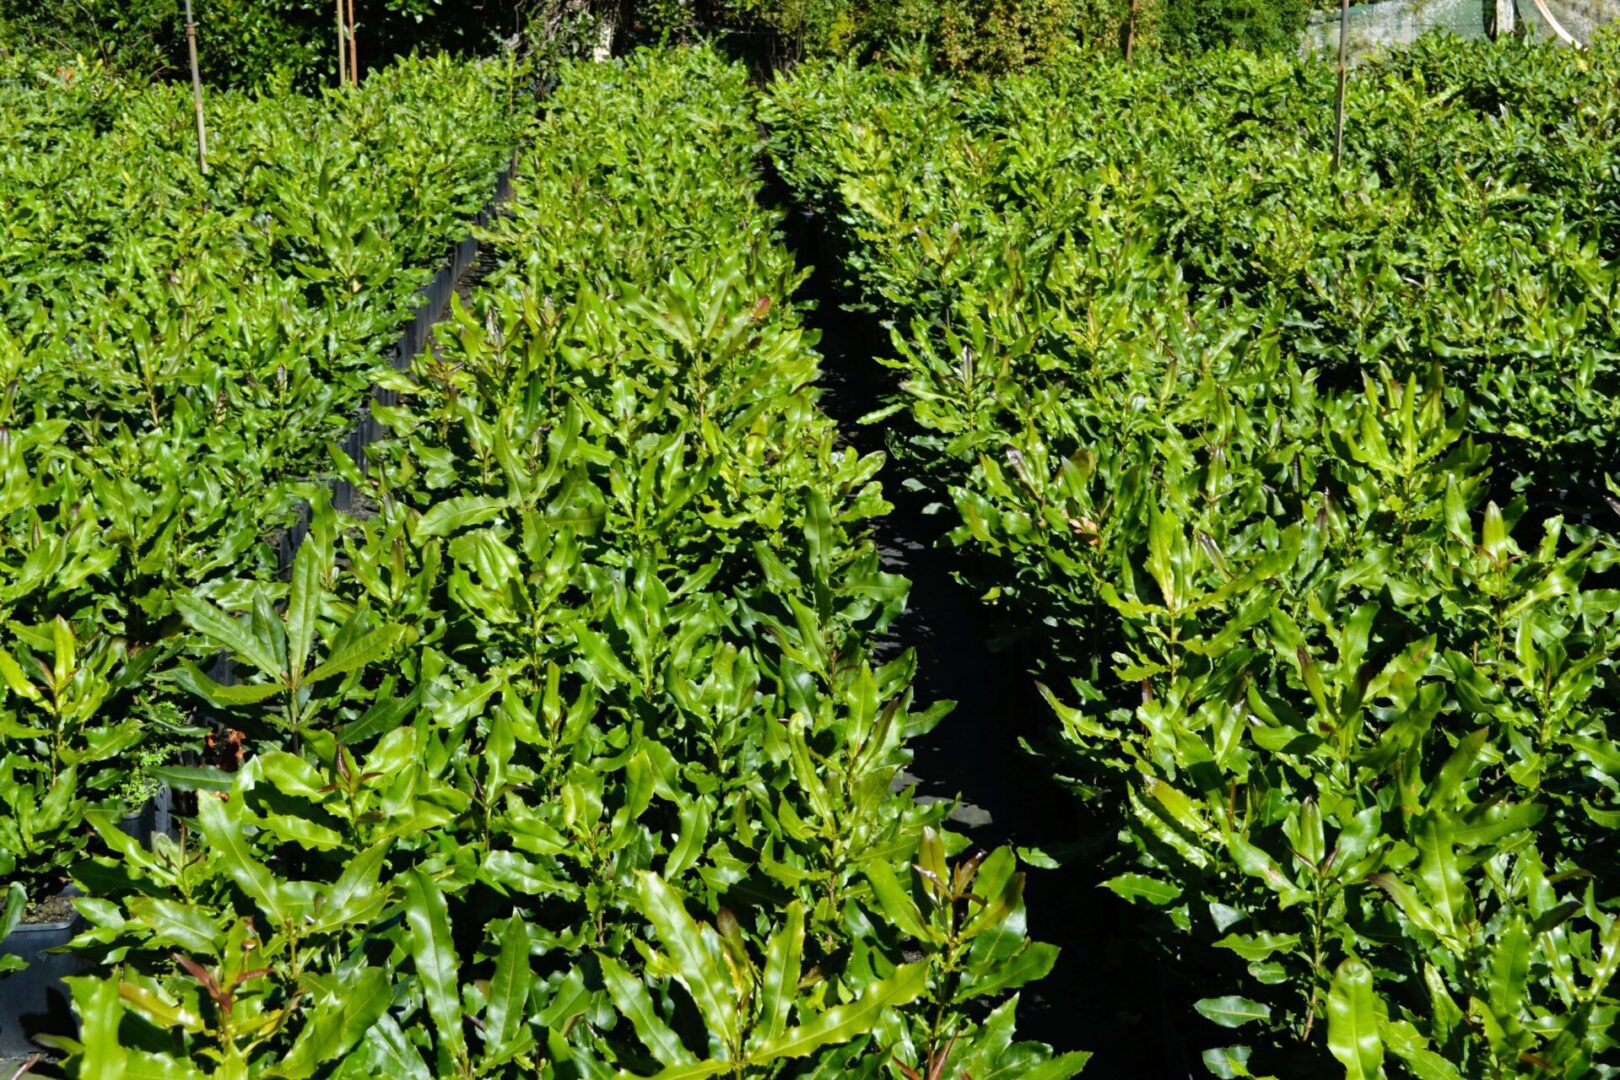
<point x="962" y="36"/>
<point x="274" y="43"/>
<point x="1268" y="465"/>
<point x="571" y="751"/>
<point x="571" y="757"/>
<point x="1251" y="24"/>
<point x="176" y="351"/>
<point x="252" y="44"/>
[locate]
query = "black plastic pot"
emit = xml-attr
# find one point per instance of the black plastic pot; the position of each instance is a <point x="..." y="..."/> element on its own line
<point x="157" y="816"/>
<point x="35" y="1001"/>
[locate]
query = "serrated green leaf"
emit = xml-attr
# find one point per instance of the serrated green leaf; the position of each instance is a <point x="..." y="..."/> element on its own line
<point x="697" y="966"/>
<point x="632" y="999"/>
<point x="845" y="1022"/>
<point x="222" y="828"/>
<point x="303" y="607"/>
<point x="784" y="957"/>
<point x="434" y="955"/>
<point x="228" y="633"/>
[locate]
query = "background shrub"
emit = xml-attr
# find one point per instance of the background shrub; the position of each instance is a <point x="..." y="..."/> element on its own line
<point x="254" y="44"/>
<point x="258" y="44"/>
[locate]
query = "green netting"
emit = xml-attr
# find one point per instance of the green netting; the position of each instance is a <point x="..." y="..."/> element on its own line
<point x="1377" y="27"/>
<point x="1392" y="23"/>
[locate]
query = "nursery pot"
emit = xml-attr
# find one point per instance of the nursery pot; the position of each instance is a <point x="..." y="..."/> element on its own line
<point x="157" y="816"/>
<point x="36" y="1001"/>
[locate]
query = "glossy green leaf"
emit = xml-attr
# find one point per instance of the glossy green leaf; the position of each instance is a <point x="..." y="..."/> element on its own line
<point x="303" y="607"/>
<point x="229" y="633"/>
<point x="784" y="957"/>
<point x="1353" y="1022"/>
<point x="509" y="987"/>
<point x="632" y="999"/>
<point x="696" y="962"/>
<point x="845" y="1022"/>
<point x="1232" y="1011"/>
<point x="222" y="827"/>
<point x="435" y="959"/>
<point x="357" y="654"/>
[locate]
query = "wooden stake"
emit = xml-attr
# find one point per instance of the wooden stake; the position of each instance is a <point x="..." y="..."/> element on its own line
<point x="1130" y="31"/>
<point x="1344" y="75"/>
<point x="354" y="52"/>
<point x="196" y="91"/>
<point x="343" y="49"/>
<point x="1503" y="16"/>
<point x="606" y="25"/>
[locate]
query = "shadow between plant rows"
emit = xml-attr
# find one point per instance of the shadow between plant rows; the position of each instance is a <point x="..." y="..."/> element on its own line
<point x="1112" y="991"/>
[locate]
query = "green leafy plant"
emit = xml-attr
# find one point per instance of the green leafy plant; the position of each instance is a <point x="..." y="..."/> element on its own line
<point x="58" y="744"/>
<point x="573" y="757"/>
<point x="281" y="646"/>
<point x="1243" y="452"/>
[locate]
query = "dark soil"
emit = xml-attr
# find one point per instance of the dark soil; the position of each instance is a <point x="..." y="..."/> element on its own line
<point x="58" y="908"/>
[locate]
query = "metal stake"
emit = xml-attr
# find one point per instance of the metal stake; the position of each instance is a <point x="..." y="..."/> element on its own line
<point x="1344" y="74"/>
<point x="196" y="91"/>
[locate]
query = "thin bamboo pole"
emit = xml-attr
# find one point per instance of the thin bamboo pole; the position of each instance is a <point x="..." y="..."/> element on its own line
<point x="1344" y="77"/>
<point x="343" y="50"/>
<point x="354" y="52"/>
<point x="196" y="91"/>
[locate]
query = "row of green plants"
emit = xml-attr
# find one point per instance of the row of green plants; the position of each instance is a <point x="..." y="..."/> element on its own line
<point x="1269" y="467"/>
<point x="176" y="350"/>
<point x="284" y="272"/>
<point x="174" y="345"/>
<point x="992" y="37"/>
<point x="571" y="757"/>
<point x="264" y="44"/>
